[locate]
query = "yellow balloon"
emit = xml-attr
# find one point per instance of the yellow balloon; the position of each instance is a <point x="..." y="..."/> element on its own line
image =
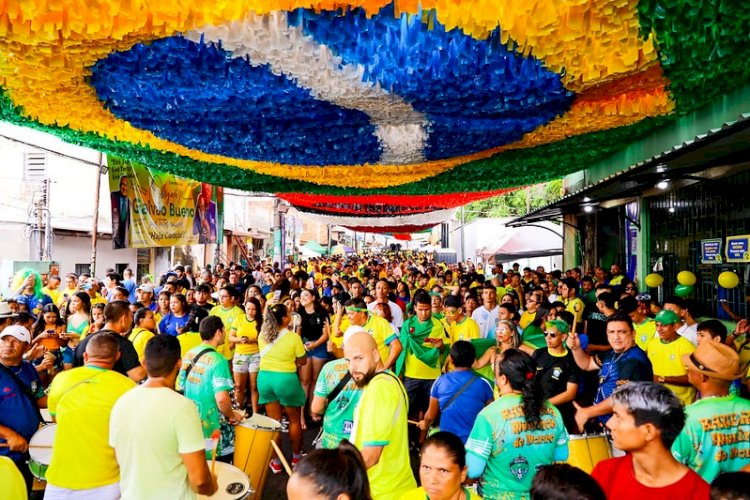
<point x="654" y="280"/>
<point x="729" y="279"/>
<point x="686" y="278"/>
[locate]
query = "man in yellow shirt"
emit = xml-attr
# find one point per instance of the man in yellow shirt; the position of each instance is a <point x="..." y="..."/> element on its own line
<point x="665" y="354"/>
<point x="569" y="296"/>
<point x="387" y="341"/>
<point x="645" y="327"/>
<point x="80" y="401"/>
<point x="228" y="311"/>
<point x="424" y="340"/>
<point x="379" y="430"/>
<point x="53" y="282"/>
<point x="458" y="324"/>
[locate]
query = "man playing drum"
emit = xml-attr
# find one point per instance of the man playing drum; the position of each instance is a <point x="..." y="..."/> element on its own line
<point x="80" y="401"/>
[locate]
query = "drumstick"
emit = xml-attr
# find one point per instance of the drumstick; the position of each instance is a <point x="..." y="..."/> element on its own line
<point x="6" y="445"/>
<point x="215" y="438"/>
<point x="281" y="457"/>
<point x="412" y="422"/>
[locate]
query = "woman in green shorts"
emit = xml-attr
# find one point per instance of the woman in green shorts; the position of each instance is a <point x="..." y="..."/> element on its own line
<point x="281" y="352"/>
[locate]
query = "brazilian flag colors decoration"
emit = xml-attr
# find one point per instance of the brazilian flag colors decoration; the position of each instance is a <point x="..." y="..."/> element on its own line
<point x="366" y="108"/>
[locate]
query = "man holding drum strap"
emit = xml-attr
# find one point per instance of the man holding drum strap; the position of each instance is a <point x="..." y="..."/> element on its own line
<point x="19" y="417"/>
<point x="80" y="401"/>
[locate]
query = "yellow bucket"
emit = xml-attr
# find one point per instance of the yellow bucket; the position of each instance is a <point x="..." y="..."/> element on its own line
<point x="253" y="449"/>
<point x="587" y="450"/>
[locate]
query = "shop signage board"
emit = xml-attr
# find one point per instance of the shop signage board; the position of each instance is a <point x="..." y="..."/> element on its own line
<point x="738" y="248"/>
<point x="711" y="251"/>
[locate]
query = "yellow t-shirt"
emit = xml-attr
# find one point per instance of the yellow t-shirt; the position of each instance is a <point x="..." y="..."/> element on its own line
<point x="242" y="327"/>
<point x="188" y="340"/>
<point x="666" y="361"/>
<point x="227" y="317"/>
<point x="382" y="333"/>
<point x="645" y="332"/>
<point x="380" y="420"/>
<point x="468" y="329"/>
<point x="81" y="400"/>
<point x="98" y="300"/>
<point x="339" y="341"/>
<point x="14" y="486"/>
<point x="414" y="368"/>
<point x="139" y="337"/>
<point x="55" y="295"/>
<point x="282" y="356"/>
<point x="575" y="306"/>
<point x="420" y="494"/>
<point x="526" y="319"/>
<point x="66" y="294"/>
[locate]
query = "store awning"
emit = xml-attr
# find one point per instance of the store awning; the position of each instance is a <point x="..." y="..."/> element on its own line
<point x="706" y="158"/>
<point x="527" y="242"/>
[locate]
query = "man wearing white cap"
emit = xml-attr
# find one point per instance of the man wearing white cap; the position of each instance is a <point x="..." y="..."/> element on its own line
<point x="335" y="397"/>
<point x="717" y="428"/>
<point x="22" y="395"/>
<point x="145" y="295"/>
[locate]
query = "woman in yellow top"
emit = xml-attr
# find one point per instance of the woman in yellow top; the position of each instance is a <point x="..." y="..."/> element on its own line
<point x="144" y="328"/>
<point x="442" y="470"/>
<point x="281" y="352"/>
<point x="244" y="336"/>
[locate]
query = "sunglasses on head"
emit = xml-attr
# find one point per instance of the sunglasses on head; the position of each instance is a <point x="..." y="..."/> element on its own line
<point x="551" y="335"/>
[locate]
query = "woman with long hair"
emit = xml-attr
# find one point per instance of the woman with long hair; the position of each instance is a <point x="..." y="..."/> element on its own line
<point x="315" y="329"/>
<point x="49" y="332"/>
<point x="506" y="338"/>
<point x="281" y="352"/>
<point x="144" y="329"/>
<point x="246" y="361"/>
<point x="403" y="295"/>
<point x="78" y="314"/>
<point x="162" y="306"/>
<point x="175" y="322"/>
<point x="517" y="433"/>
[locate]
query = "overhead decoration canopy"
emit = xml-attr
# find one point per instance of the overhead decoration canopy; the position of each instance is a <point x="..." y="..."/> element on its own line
<point x="338" y="105"/>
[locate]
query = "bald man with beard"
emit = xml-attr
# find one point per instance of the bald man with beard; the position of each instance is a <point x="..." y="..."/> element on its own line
<point x="380" y="428"/>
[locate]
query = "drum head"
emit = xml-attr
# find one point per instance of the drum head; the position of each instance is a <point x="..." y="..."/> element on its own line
<point x="262" y="422"/>
<point x="233" y="483"/>
<point x="43" y="437"/>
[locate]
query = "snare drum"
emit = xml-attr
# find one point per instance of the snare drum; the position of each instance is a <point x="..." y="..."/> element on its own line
<point x="233" y="483"/>
<point x="40" y="451"/>
<point x="587" y="450"/>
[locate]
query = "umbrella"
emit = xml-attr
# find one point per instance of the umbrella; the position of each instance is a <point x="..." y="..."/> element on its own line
<point x="342" y="250"/>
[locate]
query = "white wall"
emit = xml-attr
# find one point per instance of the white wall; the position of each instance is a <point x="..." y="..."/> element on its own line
<point x="71" y="202"/>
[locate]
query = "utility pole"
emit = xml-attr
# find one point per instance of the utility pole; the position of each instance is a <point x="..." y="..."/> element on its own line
<point x="99" y="172"/>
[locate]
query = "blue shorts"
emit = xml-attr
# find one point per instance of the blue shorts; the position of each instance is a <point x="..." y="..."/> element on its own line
<point x="320" y="352"/>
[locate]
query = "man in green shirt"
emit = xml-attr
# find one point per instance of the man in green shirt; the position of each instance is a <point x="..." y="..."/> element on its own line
<point x="337" y="411"/>
<point x="205" y="379"/>
<point x="717" y="429"/>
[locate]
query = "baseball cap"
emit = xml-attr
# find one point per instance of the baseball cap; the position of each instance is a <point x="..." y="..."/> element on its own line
<point x="146" y="288"/>
<point x="17" y="331"/>
<point x="667" y="317"/>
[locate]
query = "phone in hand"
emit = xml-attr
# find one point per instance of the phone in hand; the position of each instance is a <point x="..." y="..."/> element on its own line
<point x="277" y="294"/>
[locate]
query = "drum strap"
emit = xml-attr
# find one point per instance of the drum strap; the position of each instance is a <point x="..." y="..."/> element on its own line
<point x="192" y="364"/>
<point x="459" y="392"/>
<point x="339" y="387"/>
<point x="24" y="389"/>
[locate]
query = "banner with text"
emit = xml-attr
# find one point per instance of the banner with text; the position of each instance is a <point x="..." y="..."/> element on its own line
<point x="155" y="209"/>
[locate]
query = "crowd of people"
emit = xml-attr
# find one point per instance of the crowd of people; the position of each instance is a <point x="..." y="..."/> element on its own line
<point x="485" y="373"/>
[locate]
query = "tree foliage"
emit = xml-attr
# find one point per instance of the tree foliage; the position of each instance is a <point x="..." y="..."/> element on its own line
<point x="516" y="203"/>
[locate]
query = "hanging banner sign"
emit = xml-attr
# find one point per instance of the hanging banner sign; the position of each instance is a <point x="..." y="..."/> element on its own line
<point x="711" y="251"/>
<point x="738" y="248"/>
<point x="155" y="209"/>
